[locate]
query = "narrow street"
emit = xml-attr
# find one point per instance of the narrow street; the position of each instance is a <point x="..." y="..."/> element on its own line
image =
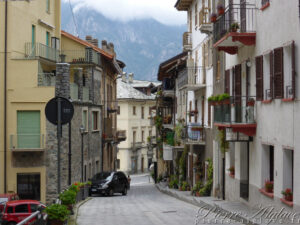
<point x="144" y="205"/>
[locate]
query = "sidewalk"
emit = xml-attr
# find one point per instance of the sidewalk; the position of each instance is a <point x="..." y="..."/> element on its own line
<point x="237" y="211"/>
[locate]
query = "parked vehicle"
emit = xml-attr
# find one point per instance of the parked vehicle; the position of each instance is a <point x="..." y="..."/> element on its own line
<point x="108" y="183"/>
<point x="7" y="197"/>
<point x="16" y="211"/>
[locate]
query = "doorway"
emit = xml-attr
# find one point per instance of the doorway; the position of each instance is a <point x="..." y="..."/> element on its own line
<point x="29" y="186"/>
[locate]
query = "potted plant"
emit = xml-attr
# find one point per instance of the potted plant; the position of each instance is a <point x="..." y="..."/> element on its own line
<point x="57" y="214"/>
<point x="234" y="27"/>
<point x="221" y="9"/>
<point x="212" y="100"/>
<point x="250" y="102"/>
<point x="288" y="194"/>
<point x="231" y="170"/>
<point x="224" y="99"/>
<point x="213" y="17"/>
<point x="269" y="186"/>
<point x="68" y="198"/>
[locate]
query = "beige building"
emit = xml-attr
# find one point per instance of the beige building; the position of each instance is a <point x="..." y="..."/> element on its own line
<point x="136" y="107"/>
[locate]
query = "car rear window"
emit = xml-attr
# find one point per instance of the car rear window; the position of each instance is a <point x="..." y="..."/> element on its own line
<point x="2" y="200"/>
<point x="9" y="209"/>
<point x="21" y="208"/>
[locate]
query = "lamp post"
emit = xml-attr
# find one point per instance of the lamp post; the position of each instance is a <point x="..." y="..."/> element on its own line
<point x="81" y="129"/>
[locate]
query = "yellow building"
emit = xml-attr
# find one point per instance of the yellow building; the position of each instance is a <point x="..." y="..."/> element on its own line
<point x="33" y="43"/>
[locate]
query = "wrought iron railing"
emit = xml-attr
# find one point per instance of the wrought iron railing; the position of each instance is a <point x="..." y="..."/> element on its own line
<point x="243" y="14"/>
<point x="46" y="79"/>
<point x="237" y="110"/>
<point x="34" y="50"/>
<point x="204" y="15"/>
<point x="27" y="141"/>
<point x="187" y="40"/>
<point x="121" y="134"/>
<point x="191" y="76"/>
<point x="194" y="132"/>
<point x="86" y="56"/>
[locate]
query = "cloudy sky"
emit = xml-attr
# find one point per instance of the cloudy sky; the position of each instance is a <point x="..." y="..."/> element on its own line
<point x="126" y="10"/>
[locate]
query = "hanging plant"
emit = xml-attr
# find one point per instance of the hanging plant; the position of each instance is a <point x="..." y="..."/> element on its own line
<point x="224" y="145"/>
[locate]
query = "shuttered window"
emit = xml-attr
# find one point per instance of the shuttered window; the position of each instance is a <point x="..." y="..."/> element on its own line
<point x="237" y="82"/>
<point x="271" y="76"/>
<point x="28" y="129"/>
<point x="294" y="70"/>
<point x="259" y="78"/>
<point x="278" y="73"/>
<point x="227" y="81"/>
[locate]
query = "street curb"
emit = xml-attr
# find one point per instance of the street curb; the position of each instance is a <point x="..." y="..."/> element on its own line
<point x="200" y="203"/>
<point x="73" y="218"/>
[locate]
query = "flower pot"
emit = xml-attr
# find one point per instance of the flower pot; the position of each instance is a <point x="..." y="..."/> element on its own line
<point x="289" y="198"/>
<point x="188" y="188"/>
<point x="233" y="30"/>
<point x="54" y="222"/>
<point x="232" y="173"/>
<point x="197" y="194"/>
<point x="180" y="188"/>
<point x="196" y="128"/>
<point x="269" y="189"/>
<point x="213" y="19"/>
<point x="221" y="11"/>
<point x="250" y="103"/>
<point x="226" y="101"/>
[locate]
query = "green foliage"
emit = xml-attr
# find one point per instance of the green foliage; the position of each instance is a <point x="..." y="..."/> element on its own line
<point x="178" y="132"/>
<point x="68" y="197"/>
<point x="57" y="212"/>
<point x="211" y="98"/>
<point x="159" y="93"/>
<point x="197" y="186"/>
<point x="218" y="98"/>
<point x="206" y="189"/>
<point x="184" y="185"/>
<point x="158" y="122"/>
<point x="173" y="183"/>
<point x="182" y="163"/>
<point x="149" y="139"/>
<point x="152" y="174"/>
<point x="234" y="26"/>
<point x="159" y="179"/>
<point x="170" y="138"/>
<point x="74" y="187"/>
<point x="224" y="145"/>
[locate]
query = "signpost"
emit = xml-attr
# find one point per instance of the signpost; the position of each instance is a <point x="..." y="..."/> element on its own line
<point x="59" y="111"/>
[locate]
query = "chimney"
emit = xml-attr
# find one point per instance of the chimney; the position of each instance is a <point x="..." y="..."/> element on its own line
<point x="124" y="76"/>
<point x="104" y="45"/>
<point x="88" y="38"/>
<point x="130" y="78"/>
<point x="95" y="42"/>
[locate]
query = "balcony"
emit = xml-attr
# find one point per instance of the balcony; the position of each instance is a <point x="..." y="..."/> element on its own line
<point x="27" y="142"/>
<point x="206" y="26"/>
<point x="195" y="134"/>
<point x="46" y="79"/>
<point x="136" y="146"/>
<point x="107" y="135"/>
<point x="121" y="135"/>
<point x="167" y="116"/>
<point x="226" y="37"/>
<point x="239" y="115"/>
<point x="38" y="50"/>
<point x="168" y="88"/>
<point x="192" y="78"/>
<point x="187" y="41"/>
<point x="112" y="106"/>
<point x="87" y="56"/>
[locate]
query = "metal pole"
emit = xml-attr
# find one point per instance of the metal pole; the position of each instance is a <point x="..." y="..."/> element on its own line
<point x="70" y="154"/>
<point x="81" y="157"/>
<point x="58" y="141"/>
<point x="5" y="97"/>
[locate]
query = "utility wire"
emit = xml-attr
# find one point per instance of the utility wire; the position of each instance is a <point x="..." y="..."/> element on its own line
<point x="74" y="21"/>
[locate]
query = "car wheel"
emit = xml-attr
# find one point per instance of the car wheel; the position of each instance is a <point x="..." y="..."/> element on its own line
<point x="111" y="192"/>
<point x="124" y="191"/>
<point x="11" y="223"/>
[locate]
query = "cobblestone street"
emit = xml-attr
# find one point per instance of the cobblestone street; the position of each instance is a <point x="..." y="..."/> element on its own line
<point x="144" y="205"/>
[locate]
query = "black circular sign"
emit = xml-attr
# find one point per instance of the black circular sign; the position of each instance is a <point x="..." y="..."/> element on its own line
<point x="67" y="110"/>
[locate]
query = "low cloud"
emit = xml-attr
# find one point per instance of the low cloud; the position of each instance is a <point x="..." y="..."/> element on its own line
<point x="126" y="10"/>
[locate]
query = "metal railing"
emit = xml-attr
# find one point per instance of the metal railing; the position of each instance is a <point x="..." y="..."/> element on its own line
<point x="38" y="217"/>
<point x="46" y="79"/>
<point x="34" y="50"/>
<point x="136" y="145"/>
<point x="86" y="56"/>
<point x="191" y="76"/>
<point x="187" y="40"/>
<point x="244" y="15"/>
<point x="194" y="132"/>
<point x="27" y="141"/>
<point x="121" y="134"/>
<point x="239" y="110"/>
<point x="168" y="84"/>
<point x="204" y="15"/>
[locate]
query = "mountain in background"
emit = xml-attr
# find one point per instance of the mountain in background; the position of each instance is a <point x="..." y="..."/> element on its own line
<point x="141" y="44"/>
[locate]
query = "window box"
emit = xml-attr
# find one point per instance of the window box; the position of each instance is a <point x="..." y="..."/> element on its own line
<point x="289" y="203"/>
<point x="266" y="5"/>
<point x="263" y="191"/>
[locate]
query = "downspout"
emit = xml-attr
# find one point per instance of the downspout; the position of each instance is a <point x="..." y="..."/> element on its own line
<point x="5" y="97"/>
<point x="104" y="104"/>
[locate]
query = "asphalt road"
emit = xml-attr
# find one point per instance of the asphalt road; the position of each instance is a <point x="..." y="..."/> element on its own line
<point x="143" y="205"/>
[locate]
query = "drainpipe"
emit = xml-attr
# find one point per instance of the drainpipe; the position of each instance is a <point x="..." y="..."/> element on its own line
<point x="5" y="97"/>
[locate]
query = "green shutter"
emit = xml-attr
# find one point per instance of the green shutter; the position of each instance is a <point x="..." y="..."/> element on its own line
<point x="47" y="38"/>
<point x="28" y="129"/>
<point x="84" y="122"/>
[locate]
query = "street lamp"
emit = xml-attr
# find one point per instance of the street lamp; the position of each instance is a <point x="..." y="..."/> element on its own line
<point x="81" y="129"/>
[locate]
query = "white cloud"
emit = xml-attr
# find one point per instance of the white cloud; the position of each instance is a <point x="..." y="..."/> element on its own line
<point x="126" y="10"/>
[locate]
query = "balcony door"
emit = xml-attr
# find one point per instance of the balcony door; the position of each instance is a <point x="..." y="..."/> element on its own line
<point x="28" y="129"/>
<point x="243" y="16"/>
<point x="238" y="93"/>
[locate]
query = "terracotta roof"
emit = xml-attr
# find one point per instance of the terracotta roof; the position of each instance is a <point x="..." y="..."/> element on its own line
<point x="87" y="44"/>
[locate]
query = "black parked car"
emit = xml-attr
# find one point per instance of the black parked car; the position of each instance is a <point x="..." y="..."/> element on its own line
<point x="108" y="183"/>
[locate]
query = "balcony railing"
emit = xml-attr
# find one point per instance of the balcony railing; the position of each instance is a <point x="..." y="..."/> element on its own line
<point x="205" y="16"/>
<point x="136" y="145"/>
<point x="191" y="78"/>
<point x="34" y="50"/>
<point x="187" y="40"/>
<point x="244" y="15"/>
<point x="27" y="142"/>
<point x="86" y="56"/>
<point x="46" y="79"/>
<point x="239" y="111"/>
<point x="121" y="135"/>
<point x="195" y="133"/>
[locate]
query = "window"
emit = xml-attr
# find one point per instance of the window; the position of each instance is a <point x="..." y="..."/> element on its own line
<point x="134" y="110"/>
<point x="150" y="133"/>
<point x="119" y="110"/>
<point x="196" y="14"/>
<point x="118" y="163"/>
<point x="95" y="119"/>
<point x="34" y="207"/>
<point x="259" y="78"/>
<point x="227" y="81"/>
<point x="134" y="136"/>
<point x="97" y="166"/>
<point x="21" y="208"/>
<point x="278" y="73"/>
<point x="47" y="38"/>
<point x="288" y="169"/>
<point x="32" y="35"/>
<point x="142" y="112"/>
<point x="85" y="173"/>
<point x="143" y="134"/>
<point x="28" y="130"/>
<point x="85" y="119"/>
<point x="29" y="186"/>
<point x="48" y="6"/>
